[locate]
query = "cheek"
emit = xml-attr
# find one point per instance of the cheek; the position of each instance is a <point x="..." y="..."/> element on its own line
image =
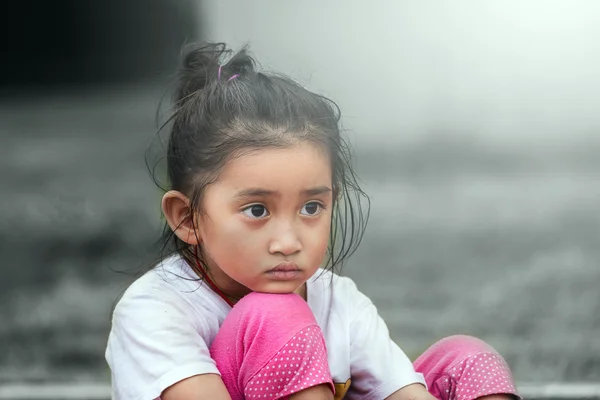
<point x="230" y="239"/>
<point x="319" y="239"/>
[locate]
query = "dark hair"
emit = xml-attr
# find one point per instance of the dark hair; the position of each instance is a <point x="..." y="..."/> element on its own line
<point x="223" y="108"/>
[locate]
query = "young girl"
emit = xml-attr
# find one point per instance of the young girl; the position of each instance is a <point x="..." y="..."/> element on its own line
<point x="261" y="197"/>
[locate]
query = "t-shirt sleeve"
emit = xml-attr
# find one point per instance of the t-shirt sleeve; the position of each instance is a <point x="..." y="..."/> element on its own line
<point x="154" y="344"/>
<point x="378" y="366"/>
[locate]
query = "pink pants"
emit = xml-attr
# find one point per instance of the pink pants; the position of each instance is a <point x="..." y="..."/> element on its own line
<point x="271" y="349"/>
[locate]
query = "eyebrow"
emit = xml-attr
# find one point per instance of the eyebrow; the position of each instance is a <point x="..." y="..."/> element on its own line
<point x="259" y="192"/>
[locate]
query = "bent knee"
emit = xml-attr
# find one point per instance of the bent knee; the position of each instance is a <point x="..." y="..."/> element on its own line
<point x="256" y="302"/>
<point x="269" y="307"/>
<point x="466" y="344"/>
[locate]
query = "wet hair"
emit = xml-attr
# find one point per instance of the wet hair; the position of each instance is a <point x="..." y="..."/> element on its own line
<point x="222" y="108"/>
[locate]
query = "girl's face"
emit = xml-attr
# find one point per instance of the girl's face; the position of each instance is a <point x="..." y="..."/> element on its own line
<point x="265" y="223"/>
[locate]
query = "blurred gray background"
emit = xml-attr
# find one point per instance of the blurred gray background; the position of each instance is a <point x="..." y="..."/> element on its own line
<point x="477" y="136"/>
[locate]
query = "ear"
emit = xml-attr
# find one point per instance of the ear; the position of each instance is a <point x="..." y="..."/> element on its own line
<point x="176" y="209"/>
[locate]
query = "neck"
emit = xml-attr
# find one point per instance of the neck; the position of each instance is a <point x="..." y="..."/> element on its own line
<point x="302" y="291"/>
<point x="225" y="287"/>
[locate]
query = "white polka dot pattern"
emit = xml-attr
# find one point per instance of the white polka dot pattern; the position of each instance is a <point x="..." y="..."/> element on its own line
<point x="478" y="375"/>
<point x="300" y="364"/>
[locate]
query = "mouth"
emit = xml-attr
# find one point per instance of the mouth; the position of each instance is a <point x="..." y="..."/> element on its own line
<point x="285" y="267"/>
<point x="285" y="272"/>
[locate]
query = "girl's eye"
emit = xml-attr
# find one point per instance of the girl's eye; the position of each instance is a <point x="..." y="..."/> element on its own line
<point x="312" y="208"/>
<point x="256" y="211"/>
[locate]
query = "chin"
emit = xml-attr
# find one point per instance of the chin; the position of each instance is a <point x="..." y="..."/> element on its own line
<point x="279" y="288"/>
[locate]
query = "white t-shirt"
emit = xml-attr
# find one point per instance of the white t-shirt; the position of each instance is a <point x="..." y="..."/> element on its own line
<point x="164" y="324"/>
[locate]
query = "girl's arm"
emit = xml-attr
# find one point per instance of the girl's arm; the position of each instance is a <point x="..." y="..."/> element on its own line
<point x="319" y="392"/>
<point x="211" y="387"/>
<point x="411" y="392"/>
<point x="199" y="387"/>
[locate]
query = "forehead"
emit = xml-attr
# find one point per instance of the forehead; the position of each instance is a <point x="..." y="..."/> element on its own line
<point x="296" y="166"/>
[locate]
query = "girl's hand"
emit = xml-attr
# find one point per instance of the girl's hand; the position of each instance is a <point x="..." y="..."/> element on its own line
<point x="415" y="391"/>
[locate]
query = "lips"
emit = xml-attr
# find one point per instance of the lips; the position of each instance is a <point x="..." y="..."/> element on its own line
<point x="285" y="272"/>
<point x="285" y="267"/>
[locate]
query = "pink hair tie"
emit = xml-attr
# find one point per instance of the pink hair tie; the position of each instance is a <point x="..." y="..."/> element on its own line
<point x="219" y="75"/>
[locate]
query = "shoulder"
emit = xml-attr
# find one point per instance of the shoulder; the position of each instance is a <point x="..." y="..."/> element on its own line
<point x="333" y="294"/>
<point x="161" y="331"/>
<point x="168" y="291"/>
<point x="333" y="280"/>
<point x="339" y="288"/>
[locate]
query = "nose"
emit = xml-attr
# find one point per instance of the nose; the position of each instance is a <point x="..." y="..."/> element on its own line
<point x="285" y="241"/>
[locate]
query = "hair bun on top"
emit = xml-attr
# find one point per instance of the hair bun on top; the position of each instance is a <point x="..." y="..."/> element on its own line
<point x="202" y="68"/>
